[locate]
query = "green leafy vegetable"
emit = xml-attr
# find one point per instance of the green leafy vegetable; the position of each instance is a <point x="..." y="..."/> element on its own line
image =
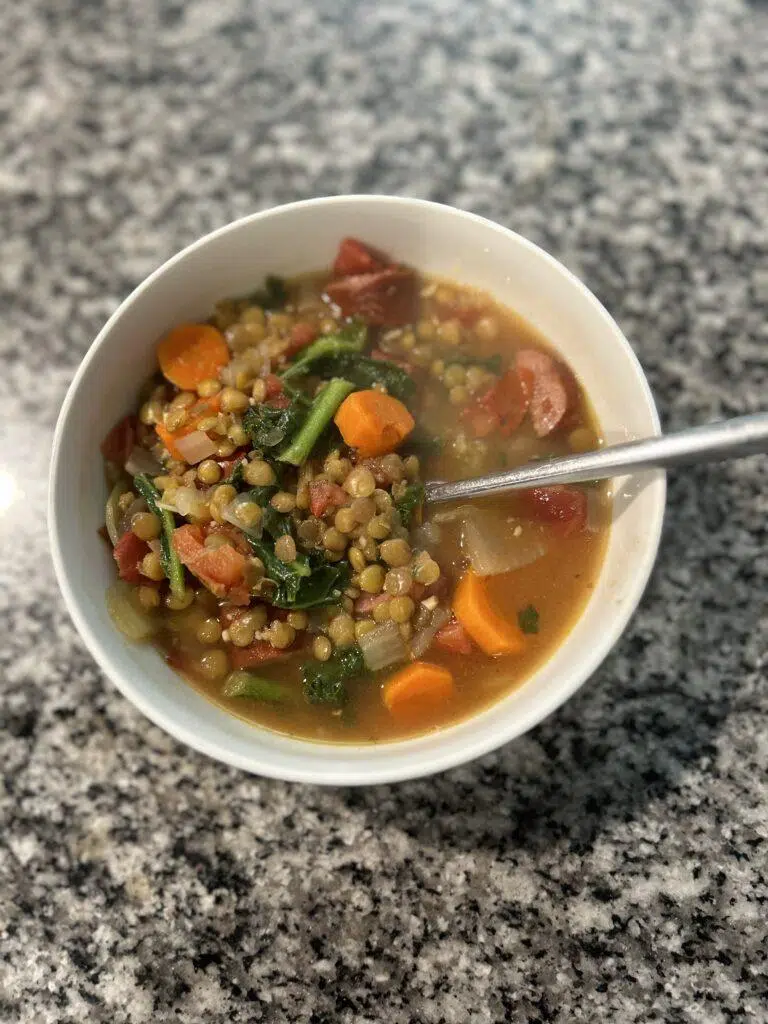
<point x="307" y="582"/>
<point x="528" y="619"/>
<point x="348" y="340"/>
<point x="410" y="503"/>
<point x="320" y="415"/>
<point x="246" y="684"/>
<point x="324" y="681"/>
<point x="420" y="443"/>
<point x="172" y="566"/>
<point x="273" y="295"/>
<point x="269" y="427"/>
<point x="235" y="478"/>
<point x="365" y="372"/>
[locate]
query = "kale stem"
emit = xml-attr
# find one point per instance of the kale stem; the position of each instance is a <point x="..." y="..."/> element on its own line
<point x="320" y="415"/>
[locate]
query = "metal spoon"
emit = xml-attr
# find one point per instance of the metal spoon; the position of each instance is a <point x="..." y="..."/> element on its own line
<point x="730" y="439"/>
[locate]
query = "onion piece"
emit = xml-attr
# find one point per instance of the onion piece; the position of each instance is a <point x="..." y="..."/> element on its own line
<point x="422" y="640"/>
<point x="427" y="535"/>
<point x="383" y="646"/>
<point x="495" y="544"/>
<point x="230" y="513"/>
<point x="122" y="608"/>
<point x="188" y="501"/>
<point x="112" y="511"/>
<point x="142" y="461"/>
<point x="455" y="515"/>
<point x="195" y="447"/>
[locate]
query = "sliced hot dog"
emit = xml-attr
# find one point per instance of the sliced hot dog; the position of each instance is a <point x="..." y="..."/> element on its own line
<point x="386" y="298"/>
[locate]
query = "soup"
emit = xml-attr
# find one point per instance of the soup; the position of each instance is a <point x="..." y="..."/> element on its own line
<point x="266" y="509"/>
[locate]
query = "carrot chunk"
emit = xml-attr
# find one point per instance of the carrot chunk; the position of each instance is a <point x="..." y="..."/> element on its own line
<point x="373" y="423"/>
<point x="474" y="609"/>
<point x="419" y="685"/>
<point x="191" y="353"/>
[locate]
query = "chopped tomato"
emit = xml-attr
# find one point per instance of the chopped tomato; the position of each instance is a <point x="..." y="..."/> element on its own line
<point x="128" y="552"/>
<point x="256" y="653"/>
<point x="227" y="466"/>
<point x="354" y="257"/>
<point x="280" y="401"/>
<point x="324" y="495"/>
<point x="220" y="569"/>
<point x="387" y="298"/>
<point x="454" y="638"/>
<point x="119" y="442"/>
<point x="563" y="507"/>
<point x="274" y="385"/>
<point x="302" y="334"/>
<point x="502" y="407"/>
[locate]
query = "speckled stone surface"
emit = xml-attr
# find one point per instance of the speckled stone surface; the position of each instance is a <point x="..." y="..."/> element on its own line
<point x="610" y="866"/>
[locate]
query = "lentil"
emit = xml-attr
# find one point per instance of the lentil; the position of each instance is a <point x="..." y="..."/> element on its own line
<point x="149" y="597"/>
<point x="334" y="540"/>
<point x="281" y="634"/>
<point x="401" y="609"/>
<point x="213" y="664"/>
<point x="283" y="501"/>
<point x="208" y="472"/>
<point x="259" y="474"/>
<point x="233" y="400"/>
<point x="372" y="579"/>
<point x="360" y="482"/>
<point x="145" y="525"/>
<point x="341" y="630"/>
<point x="151" y="566"/>
<point x="322" y="648"/>
<point x="396" y="552"/>
<point x="209" y="631"/>
<point x="379" y="527"/>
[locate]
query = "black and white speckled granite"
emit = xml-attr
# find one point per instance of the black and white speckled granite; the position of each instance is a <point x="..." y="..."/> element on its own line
<point x="612" y="865"/>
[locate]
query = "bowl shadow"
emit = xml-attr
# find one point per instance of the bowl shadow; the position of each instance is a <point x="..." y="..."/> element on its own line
<point x="654" y="709"/>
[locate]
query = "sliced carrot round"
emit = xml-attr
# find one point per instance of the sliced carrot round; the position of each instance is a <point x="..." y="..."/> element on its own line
<point x="373" y="422"/>
<point x="474" y="609"/>
<point x="418" y="685"/>
<point x="192" y="353"/>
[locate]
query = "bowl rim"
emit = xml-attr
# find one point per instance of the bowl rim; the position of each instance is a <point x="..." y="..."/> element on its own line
<point x="442" y="759"/>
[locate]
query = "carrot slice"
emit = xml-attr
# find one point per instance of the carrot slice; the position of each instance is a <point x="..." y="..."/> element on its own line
<point x="373" y="422"/>
<point x="474" y="609"/>
<point x="199" y="411"/>
<point x="418" y="685"/>
<point x="191" y="353"/>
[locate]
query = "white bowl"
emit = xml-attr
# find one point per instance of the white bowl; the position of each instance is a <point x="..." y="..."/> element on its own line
<point x="288" y="240"/>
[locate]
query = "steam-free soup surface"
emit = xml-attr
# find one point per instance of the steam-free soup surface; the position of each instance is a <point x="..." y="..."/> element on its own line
<point x="345" y="608"/>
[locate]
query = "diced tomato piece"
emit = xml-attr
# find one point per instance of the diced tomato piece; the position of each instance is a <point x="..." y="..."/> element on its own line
<point x="355" y="257"/>
<point x="564" y="507"/>
<point x="365" y="604"/>
<point x="274" y="385"/>
<point x="119" y="442"/>
<point x="324" y="495"/>
<point x="128" y="552"/>
<point x="302" y="334"/>
<point x="257" y="653"/>
<point x="549" y="398"/>
<point x="502" y="407"/>
<point x="279" y="402"/>
<point x="454" y="638"/>
<point x="220" y="569"/>
<point x="387" y="298"/>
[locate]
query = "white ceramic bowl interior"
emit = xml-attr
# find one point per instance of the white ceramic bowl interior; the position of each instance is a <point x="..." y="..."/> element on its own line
<point x="288" y="240"/>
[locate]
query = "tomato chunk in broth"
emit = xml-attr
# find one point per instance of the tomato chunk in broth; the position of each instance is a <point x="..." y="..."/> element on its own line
<point x="266" y="509"/>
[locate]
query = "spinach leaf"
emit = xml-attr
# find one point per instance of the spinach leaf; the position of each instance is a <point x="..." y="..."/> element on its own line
<point x="269" y="427"/>
<point x="410" y="503"/>
<point x="324" y="680"/>
<point x="349" y="339"/>
<point x="170" y="561"/>
<point x="528" y="619"/>
<point x="364" y="373"/>
<point x="307" y="582"/>
<point x="273" y="295"/>
<point x="235" y="478"/>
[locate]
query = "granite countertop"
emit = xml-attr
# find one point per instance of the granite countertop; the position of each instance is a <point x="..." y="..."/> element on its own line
<point x="611" y="865"/>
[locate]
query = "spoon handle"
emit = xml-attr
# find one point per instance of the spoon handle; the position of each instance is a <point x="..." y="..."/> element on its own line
<point x="729" y="439"/>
